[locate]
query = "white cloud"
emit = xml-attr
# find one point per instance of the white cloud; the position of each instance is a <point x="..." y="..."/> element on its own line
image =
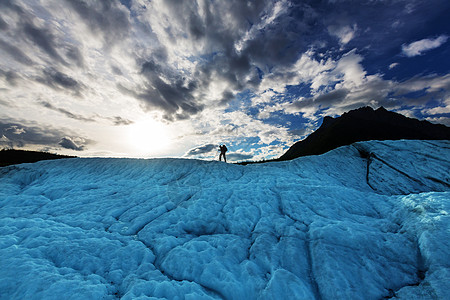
<point x="351" y="70"/>
<point x="305" y="70"/>
<point x="236" y="127"/>
<point x="344" y="33"/>
<point x="334" y="85"/>
<point x="439" y="120"/>
<point x="268" y="110"/>
<point x="419" y="47"/>
<point x="348" y="86"/>
<point x="393" y="65"/>
<point x="263" y="98"/>
<point x="437" y="110"/>
<point x="433" y="84"/>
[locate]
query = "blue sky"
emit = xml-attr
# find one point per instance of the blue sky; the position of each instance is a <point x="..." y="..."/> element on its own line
<point x="143" y="78"/>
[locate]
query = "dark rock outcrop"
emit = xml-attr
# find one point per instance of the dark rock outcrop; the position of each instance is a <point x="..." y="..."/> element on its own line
<point x="365" y="124"/>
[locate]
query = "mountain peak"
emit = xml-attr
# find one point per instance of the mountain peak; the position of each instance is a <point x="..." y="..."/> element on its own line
<point x="327" y="121"/>
<point x="364" y="124"/>
<point x="366" y="109"/>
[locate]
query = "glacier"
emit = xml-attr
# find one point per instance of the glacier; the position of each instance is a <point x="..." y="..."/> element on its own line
<point x="365" y="221"/>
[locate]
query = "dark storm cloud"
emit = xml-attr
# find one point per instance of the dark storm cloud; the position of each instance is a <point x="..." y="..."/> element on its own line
<point x="280" y="43"/>
<point x="58" y="80"/>
<point x="173" y="96"/>
<point x="11" y="5"/>
<point x="108" y="18"/>
<point x="174" y="93"/>
<point x="16" y="134"/>
<point x="298" y="132"/>
<point x="227" y="96"/>
<point x="201" y="150"/>
<point x="15" y="53"/>
<point x="44" y="39"/>
<point x="3" y="24"/>
<point x="335" y="96"/>
<point x="325" y="100"/>
<point x="211" y="27"/>
<point x="68" y="143"/>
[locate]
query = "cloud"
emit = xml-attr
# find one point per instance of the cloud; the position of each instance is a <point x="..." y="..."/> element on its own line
<point x="166" y="90"/>
<point x="6" y="103"/>
<point x="116" y="120"/>
<point x="374" y="91"/>
<point x="345" y="85"/>
<point x="110" y="19"/>
<point x="58" y="80"/>
<point x="205" y="149"/>
<point x="439" y="120"/>
<point x="419" y="47"/>
<point x="68" y="143"/>
<point x="14" y="129"/>
<point x="10" y="76"/>
<point x="210" y="56"/>
<point x="344" y="33"/>
<point x="306" y="70"/>
<point x="325" y="100"/>
<point x="349" y="70"/>
<point x="44" y="39"/>
<point x="393" y="65"/>
<point x="18" y="134"/>
<point x="74" y="54"/>
<point x="239" y="156"/>
<point x="116" y="70"/>
<point x="3" y="24"/>
<point x="279" y="8"/>
<point x="66" y="112"/>
<point x="15" y="53"/>
<point x="340" y="83"/>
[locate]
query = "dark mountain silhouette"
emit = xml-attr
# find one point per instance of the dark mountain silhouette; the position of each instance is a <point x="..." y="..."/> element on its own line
<point x="12" y="157"/>
<point x="365" y="124"/>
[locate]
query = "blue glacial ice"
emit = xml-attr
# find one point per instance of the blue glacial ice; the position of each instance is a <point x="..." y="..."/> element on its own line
<point x="364" y="221"/>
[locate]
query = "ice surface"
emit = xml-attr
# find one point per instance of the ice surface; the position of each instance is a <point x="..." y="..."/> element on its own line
<point x="364" y="221"/>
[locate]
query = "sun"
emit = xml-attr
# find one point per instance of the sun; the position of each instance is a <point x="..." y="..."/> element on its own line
<point x="148" y="137"/>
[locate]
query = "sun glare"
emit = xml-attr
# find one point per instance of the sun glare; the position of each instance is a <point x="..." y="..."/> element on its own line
<point x="148" y="137"/>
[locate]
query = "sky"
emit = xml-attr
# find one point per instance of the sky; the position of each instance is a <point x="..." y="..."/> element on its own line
<point x="167" y="78"/>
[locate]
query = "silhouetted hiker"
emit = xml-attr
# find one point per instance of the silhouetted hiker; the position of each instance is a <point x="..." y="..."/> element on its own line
<point x="223" y="149"/>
